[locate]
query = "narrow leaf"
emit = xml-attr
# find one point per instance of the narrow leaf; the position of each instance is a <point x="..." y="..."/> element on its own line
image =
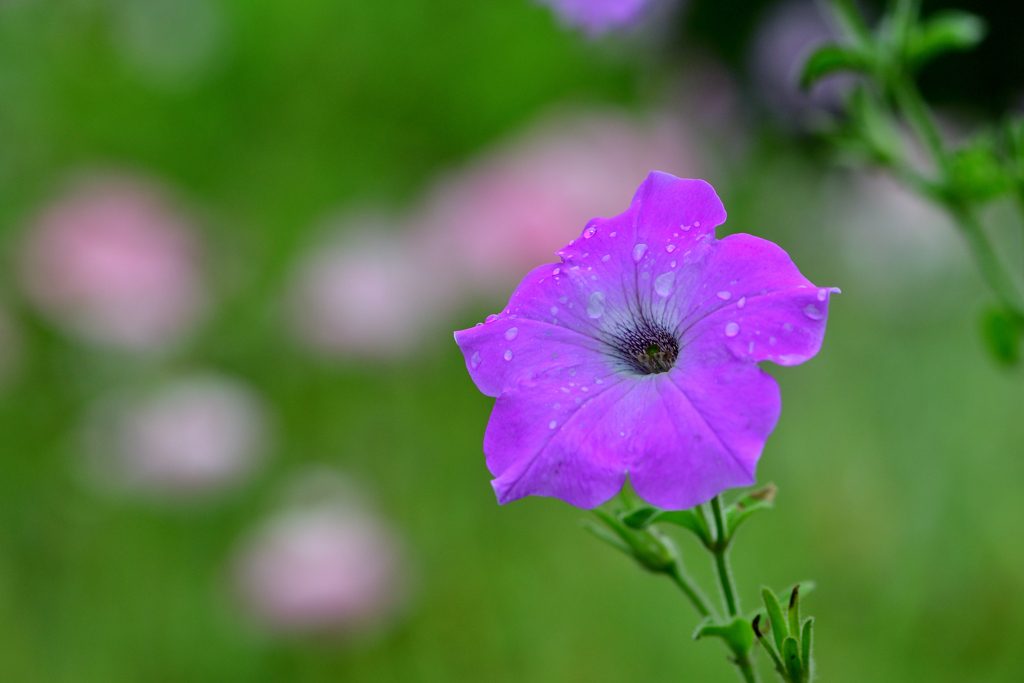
<point x="751" y="502"/>
<point x="767" y="645"/>
<point x="832" y="59"/>
<point x="791" y="658"/>
<point x="794" y="610"/>
<point x="806" y="643"/>
<point x="942" y="32"/>
<point x="779" y="628"/>
<point x="643" y="517"/>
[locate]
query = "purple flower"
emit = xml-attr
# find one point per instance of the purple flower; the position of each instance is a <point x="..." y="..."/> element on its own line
<point x="598" y="16"/>
<point x="638" y="355"/>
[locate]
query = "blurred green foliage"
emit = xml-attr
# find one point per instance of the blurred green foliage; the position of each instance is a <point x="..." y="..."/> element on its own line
<point x="897" y="456"/>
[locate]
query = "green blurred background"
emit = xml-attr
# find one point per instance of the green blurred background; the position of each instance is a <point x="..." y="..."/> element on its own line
<point x="898" y="455"/>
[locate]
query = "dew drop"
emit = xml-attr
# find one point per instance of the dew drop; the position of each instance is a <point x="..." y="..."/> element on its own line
<point x="554" y="310"/>
<point x="474" y="361"/>
<point x="552" y="424"/>
<point x="724" y="296"/>
<point x="598" y="381"/>
<point x="696" y="224"/>
<point x="589" y="232"/>
<point x="664" y="282"/>
<point x="812" y="312"/>
<point x="670" y="248"/>
<point x="511" y="333"/>
<point x="584" y="389"/>
<point x="822" y="293"/>
<point x="750" y="347"/>
<point x="556" y="271"/>
<point x="595" y="307"/>
<point x="606" y="258"/>
<point x="742" y="302"/>
<point x="732" y="329"/>
<point x="685" y="227"/>
<point x="673" y="264"/>
<point x="572" y="242"/>
<point x="563" y="299"/>
<point x="565" y="389"/>
<point x="491" y="318"/>
<point x="638" y="252"/>
<point x="508" y="354"/>
<point x="614" y="234"/>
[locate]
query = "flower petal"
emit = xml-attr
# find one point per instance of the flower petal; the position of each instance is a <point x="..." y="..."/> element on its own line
<point x="756" y="304"/>
<point x="702" y="433"/>
<point x="540" y="441"/>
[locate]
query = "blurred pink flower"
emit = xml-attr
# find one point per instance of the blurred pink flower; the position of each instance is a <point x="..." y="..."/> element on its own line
<point x="110" y="262"/>
<point x="369" y="293"/>
<point x="326" y="567"/>
<point x="511" y="210"/>
<point x="190" y="436"/>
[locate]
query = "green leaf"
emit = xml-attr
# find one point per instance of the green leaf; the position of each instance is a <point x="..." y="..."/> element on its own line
<point x="759" y="632"/>
<point x="791" y="659"/>
<point x="643" y="517"/>
<point x="805" y="588"/>
<point x="976" y="172"/>
<point x="942" y="32"/>
<point x="794" y="610"/>
<point x="832" y="59"/>
<point x="806" y="643"/>
<point x="875" y="127"/>
<point x="1002" y="332"/>
<point x="606" y="536"/>
<point x="751" y="502"/>
<point x="779" y="629"/>
<point x="738" y="634"/>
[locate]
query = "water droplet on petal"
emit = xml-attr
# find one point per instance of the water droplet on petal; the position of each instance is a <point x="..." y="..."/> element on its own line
<point x="511" y="333"/>
<point x="638" y="252"/>
<point x="589" y="232"/>
<point x="685" y="227"/>
<point x="750" y="347"/>
<point x="732" y="329"/>
<point x="696" y="224"/>
<point x="572" y="242"/>
<point x="474" y="361"/>
<point x="584" y="389"/>
<point x="562" y="299"/>
<point x="663" y="283"/>
<point x="491" y="318"/>
<point x="595" y="307"/>
<point x="554" y="310"/>
<point x="822" y="293"/>
<point x="670" y="248"/>
<point x="742" y="302"/>
<point x="724" y="296"/>
<point x="614" y="234"/>
<point x="598" y="381"/>
<point x="508" y="354"/>
<point x="552" y="424"/>
<point x="606" y="258"/>
<point x="556" y="271"/>
<point x="812" y="312"/>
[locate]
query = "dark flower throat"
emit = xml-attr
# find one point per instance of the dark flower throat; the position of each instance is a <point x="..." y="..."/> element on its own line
<point x="648" y="350"/>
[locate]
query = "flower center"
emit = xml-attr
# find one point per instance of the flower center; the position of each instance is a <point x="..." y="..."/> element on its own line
<point x="648" y="350"/>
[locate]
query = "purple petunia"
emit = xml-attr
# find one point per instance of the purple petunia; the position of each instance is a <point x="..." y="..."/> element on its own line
<point x="638" y="355"/>
<point x="597" y="17"/>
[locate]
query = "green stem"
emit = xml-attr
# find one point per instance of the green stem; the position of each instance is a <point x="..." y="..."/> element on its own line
<point x="746" y="670"/>
<point x="915" y="111"/>
<point x="720" y="551"/>
<point x="988" y="261"/>
<point x="685" y="583"/>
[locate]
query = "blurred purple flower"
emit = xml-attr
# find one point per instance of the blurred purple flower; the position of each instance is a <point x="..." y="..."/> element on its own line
<point x="194" y="435"/>
<point x="113" y="264"/>
<point x="597" y="17"/>
<point x="638" y="355"/>
<point x="329" y="566"/>
<point x="786" y="37"/>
